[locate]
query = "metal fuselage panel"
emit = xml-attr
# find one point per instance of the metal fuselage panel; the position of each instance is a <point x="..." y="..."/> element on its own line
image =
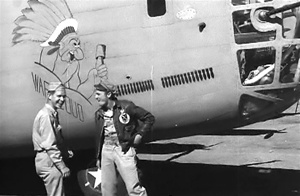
<point x="183" y="75"/>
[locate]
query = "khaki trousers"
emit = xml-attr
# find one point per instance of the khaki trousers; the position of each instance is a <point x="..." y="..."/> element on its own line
<point x="114" y="161"/>
<point x="52" y="177"/>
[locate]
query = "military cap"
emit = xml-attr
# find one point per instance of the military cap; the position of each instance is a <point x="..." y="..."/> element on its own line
<point x="53" y="86"/>
<point x="106" y="86"/>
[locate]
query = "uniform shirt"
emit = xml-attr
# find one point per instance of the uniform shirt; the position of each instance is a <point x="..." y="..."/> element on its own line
<point x="109" y="127"/>
<point x="47" y="134"/>
<point x="110" y="131"/>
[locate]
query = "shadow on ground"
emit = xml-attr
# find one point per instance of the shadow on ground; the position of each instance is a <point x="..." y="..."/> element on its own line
<point x="164" y="179"/>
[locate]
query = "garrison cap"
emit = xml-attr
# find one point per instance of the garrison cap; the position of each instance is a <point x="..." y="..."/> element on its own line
<point x="53" y="86"/>
<point x="106" y="86"/>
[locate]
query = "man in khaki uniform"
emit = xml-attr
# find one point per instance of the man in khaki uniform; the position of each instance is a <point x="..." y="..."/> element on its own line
<point x="48" y="142"/>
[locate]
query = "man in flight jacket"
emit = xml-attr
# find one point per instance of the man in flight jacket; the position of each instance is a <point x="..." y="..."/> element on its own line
<point x="120" y="128"/>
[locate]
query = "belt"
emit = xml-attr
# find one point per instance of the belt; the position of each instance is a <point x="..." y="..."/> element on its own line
<point x="111" y="141"/>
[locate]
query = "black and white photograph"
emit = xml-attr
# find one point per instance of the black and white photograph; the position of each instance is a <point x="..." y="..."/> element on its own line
<point x="150" y="98"/>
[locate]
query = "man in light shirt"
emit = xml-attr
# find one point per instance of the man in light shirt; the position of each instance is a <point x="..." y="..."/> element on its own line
<point x="48" y="142"/>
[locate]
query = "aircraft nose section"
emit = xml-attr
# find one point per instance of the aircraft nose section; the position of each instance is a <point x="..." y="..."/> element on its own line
<point x="268" y="57"/>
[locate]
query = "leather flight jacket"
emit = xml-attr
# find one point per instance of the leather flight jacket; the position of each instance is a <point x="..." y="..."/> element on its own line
<point x="129" y="120"/>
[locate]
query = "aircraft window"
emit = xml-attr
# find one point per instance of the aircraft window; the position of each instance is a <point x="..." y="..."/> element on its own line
<point x="244" y="32"/>
<point x="256" y="66"/>
<point x="189" y="77"/>
<point x="290" y="58"/>
<point x="290" y="23"/>
<point x="135" y="87"/>
<point x="156" y="7"/>
<point x="246" y="2"/>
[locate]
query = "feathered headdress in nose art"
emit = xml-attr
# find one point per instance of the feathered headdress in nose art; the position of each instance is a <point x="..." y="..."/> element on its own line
<point x="46" y="21"/>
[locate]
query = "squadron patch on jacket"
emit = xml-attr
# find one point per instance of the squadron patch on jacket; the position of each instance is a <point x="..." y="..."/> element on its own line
<point x="124" y="118"/>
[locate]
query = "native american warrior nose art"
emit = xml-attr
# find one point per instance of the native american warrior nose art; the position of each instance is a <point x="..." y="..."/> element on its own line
<point x="51" y="23"/>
